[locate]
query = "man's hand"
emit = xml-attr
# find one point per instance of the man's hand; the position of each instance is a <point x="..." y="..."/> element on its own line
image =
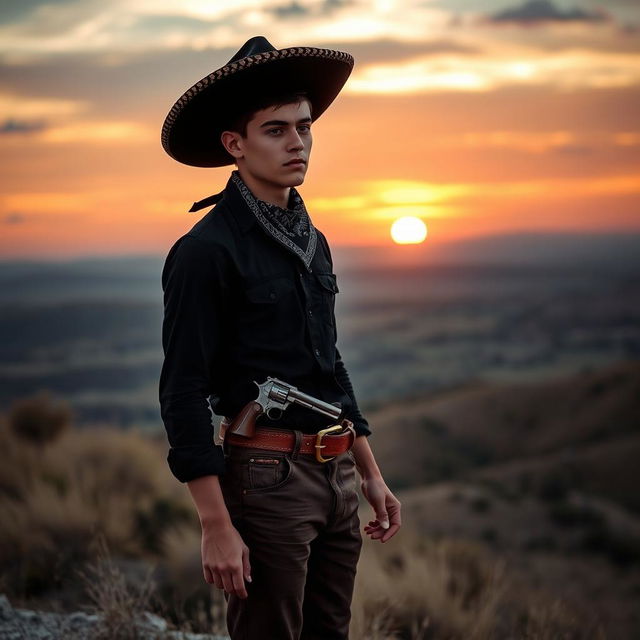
<point x="225" y="559"/>
<point x="386" y="507"/>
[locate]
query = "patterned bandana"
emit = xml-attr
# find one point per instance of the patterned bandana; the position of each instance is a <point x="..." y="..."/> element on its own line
<point x="291" y="227"/>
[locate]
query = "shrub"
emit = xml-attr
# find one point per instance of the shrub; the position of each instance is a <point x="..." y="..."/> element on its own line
<point x="569" y="515"/>
<point x="39" y="419"/>
<point x="480" y="504"/>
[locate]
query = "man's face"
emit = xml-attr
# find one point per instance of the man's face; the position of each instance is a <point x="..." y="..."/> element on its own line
<point x="275" y="137"/>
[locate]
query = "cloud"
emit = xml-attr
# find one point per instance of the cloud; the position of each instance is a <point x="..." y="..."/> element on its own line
<point x="49" y="19"/>
<point x="15" y="11"/>
<point x="295" y="9"/>
<point x="122" y="27"/>
<point x="330" y="5"/>
<point x="292" y="10"/>
<point x="627" y="139"/>
<point x="523" y="141"/>
<point x="566" y="70"/>
<point x="561" y="141"/>
<point x="119" y="29"/>
<point x="79" y="131"/>
<point x="630" y="29"/>
<point x="573" y="149"/>
<point x="114" y="84"/>
<point x="68" y="205"/>
<point x="14" y="218"/>
<point x="541" y="11"/>
<point x="155" y="24"/>
<point x="118" y="26"/>
<point x="389" y="199"/>
<point x="389" y="50"/>
<point x="14" y="126"/>
<point x="99" y="133"/>
<point x="35" y="109"/>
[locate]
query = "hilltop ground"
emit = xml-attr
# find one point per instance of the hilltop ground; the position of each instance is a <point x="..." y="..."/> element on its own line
<point x="520" y="504"/>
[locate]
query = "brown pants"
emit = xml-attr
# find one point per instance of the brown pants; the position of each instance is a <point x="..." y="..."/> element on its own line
<point x="300" y="521"/>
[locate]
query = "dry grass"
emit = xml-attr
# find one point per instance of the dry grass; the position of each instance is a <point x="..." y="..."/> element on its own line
<point x="411" y="586"/>
<point x="421" y="589"/>
<point x="118" y="601"/>
<point x="55" y="500"/>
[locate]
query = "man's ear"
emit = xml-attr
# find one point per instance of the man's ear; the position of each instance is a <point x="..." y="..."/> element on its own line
<point x="232" y="142"/>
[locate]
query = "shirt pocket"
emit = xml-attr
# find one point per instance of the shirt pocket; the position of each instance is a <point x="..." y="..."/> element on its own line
<point x="328" y="289"/>
<point x="329" y="282"/>
<point x="269" y="314"/>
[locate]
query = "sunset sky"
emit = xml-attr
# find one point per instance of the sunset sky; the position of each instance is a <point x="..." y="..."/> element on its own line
<point x="477" y="117"/>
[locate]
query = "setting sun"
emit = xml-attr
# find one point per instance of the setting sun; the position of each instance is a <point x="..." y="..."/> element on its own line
<point x="408" y="230"/>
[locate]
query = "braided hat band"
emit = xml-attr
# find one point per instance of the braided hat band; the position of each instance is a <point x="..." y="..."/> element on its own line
<point x="192" y="128"/>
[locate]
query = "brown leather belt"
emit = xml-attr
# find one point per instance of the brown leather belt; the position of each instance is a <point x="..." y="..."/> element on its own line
<point x="324" y="445"/>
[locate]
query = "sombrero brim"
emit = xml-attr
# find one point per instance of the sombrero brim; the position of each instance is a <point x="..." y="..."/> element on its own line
<point x="191" y="131"/>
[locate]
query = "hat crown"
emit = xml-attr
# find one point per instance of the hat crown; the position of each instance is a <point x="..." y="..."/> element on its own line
<point x="253" y="46"/>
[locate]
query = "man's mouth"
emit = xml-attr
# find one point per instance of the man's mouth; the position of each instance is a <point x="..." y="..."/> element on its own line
<point x="296" y="161"/>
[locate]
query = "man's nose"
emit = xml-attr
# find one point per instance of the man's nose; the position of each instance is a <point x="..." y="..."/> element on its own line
<point x="295" y="141"/>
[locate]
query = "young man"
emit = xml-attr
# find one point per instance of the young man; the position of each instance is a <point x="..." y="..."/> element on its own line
<point x="249" y="293"/>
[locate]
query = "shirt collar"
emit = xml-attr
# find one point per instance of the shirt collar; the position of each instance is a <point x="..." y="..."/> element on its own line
<point x="230" y="196"/>
<point x="242" y="214"/>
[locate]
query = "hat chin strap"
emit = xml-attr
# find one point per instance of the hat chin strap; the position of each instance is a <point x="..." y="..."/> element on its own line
<point x="205" y="202"/>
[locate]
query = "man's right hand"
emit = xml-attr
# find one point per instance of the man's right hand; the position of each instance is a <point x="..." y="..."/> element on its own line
<point x="225" y="559"/>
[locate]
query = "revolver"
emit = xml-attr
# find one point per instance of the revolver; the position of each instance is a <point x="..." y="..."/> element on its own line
<point x="276" y="395"/>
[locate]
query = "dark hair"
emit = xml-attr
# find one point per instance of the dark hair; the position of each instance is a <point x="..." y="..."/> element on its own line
<point x="240" y="119"/>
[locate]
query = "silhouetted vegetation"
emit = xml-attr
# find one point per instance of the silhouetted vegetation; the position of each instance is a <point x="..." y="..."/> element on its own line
<point x="40" y="419"/>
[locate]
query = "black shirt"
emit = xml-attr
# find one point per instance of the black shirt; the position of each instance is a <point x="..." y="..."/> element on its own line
<point x="238" y="307"/>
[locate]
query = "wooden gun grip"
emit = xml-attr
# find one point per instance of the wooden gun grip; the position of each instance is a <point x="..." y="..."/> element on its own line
<point x="244" y="424"/>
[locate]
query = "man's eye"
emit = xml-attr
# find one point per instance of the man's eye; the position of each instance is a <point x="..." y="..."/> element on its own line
<point x="305" y="128"/>
<point x="274" y="130"/>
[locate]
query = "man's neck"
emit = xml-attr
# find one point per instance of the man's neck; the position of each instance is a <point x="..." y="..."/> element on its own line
<point x="269" y="193"/>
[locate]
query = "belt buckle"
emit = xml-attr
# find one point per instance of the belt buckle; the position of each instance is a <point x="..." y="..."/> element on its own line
<point x="319" y="445"/>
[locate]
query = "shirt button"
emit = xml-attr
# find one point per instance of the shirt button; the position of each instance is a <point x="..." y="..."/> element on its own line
<point x="317" y="352"/>
<point x="310" y="312"/>
<point x="272" y="295"/>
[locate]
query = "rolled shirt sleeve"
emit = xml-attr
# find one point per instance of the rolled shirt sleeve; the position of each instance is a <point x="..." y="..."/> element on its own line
<point x="360" y="424"/>
<point x="195" y="291"/>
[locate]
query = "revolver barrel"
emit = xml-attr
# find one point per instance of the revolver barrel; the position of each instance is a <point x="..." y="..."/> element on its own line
<point x="283" y="392"/>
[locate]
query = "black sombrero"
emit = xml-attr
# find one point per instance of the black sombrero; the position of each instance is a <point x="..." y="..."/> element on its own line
<point x="192" y="128"/>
